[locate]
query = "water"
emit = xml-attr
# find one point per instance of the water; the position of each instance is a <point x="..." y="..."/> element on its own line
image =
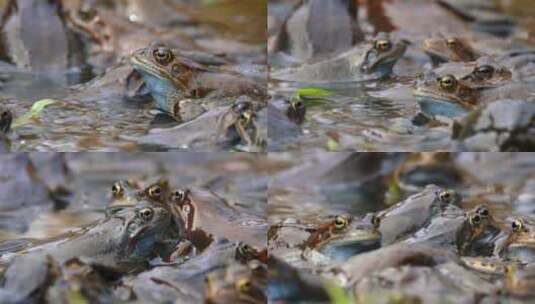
<point x="92" y="112"/>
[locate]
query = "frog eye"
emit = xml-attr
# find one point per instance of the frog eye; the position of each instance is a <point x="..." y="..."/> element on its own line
<point x="483" y="211"/>
<point x="517" y="225"/>
<point x="445" y="196"/>
<point x="245" y="117"/>
<point x="451" y="42"/>
<point x="117" y="190"/>
<point x="163" y="55"/>
<point x="383" y="45"/>
<point x="179" y="195"/>
<point x="376" y="221"/>
<point x="447" y="82"/>
<point x="340" y="222"/>
<point x="243" y="285"/>
<point x="87" y="13"/>
<point x="5" y="114"/>
<point x="241" y="106"/>
<point x="475" y="219"/>
<point x="484" y="71"/>
<point x="244" y="249"/>
<point x="155" y="191"/>
<point x="298" y="104"/>
<point x="146" y="214"/>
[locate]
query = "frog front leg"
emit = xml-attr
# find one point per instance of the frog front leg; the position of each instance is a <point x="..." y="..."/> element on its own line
<point x="184" y="110"/>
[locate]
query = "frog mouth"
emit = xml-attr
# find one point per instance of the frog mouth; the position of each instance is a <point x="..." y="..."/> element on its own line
<point x="436" y="59"/>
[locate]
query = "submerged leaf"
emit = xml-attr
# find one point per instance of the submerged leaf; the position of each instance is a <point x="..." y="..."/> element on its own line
<point x="332" y="145"/>
<point x="337" y="294"/>
<point x="394" y="193"/>
<point x="37" y="107"/>
<point x="312" y="93"/>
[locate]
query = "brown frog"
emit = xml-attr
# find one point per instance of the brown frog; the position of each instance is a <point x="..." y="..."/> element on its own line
<point x="334" y="240"/>
<point x="367" y="62"/>
<point x="240" y="123"/>
<point x="296" y="110"/>
<point x="446" y="49"/>
<point x="173" y="78"/>
<point x="517" y="243"/>
<point x="237" y="283"/>
<point x="446" y="96"/>
<point x="478" y="235"/>
<point x="487" y="74"/>
<point x="206" y="215"/>
<point x="342" y="238"/>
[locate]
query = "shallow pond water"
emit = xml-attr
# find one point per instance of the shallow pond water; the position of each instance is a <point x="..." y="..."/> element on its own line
<point x="316" y="189"/>
<point x="92" y="110"/>
<point x="377" y="115"/>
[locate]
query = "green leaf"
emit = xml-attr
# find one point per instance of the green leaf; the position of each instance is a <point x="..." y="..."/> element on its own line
<point x="337" y="294"/>
<point x="33" y="113"/>
<point x="312" y="93"/>
<point x="394" y="193"/>
<point x="332" y="145"/>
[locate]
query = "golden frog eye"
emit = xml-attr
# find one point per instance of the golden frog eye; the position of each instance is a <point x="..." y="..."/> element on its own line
<point x="517" y="225"/>
<point x="340" y="222"/>
<point x="297" y="104"/>
<point x="163" y="55"/>
<point x="376" y="221"/>
<point x="447" y="82"/>
<point x="146" y="214"/>
<point x="451" y="42"/>
<point x="484" y="71"/>
<point x="241" y="106"/>
<point x="155" y="192"/>
<point x="383" y="45"/>
<point x="244" y="249"/>
<point x="180" y="195"/>
<point x="117" y="190"/>
<point x="483" y="211"/>
<point x="246" y="117"/>
<point x="475" y="219"/>
<point x="445" y="196"/>
<point x="243" y="285"/>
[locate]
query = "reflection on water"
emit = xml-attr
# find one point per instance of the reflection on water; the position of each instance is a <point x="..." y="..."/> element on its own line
<point x="95" y="109"/>
<point x="238" y="177"/>
<point x="378" y="115"/>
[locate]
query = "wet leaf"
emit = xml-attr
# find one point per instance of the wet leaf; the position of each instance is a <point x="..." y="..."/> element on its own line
<point x="332" y="145"/>
<point x="394" y="192"/>
<point x="390" y="297"/>
<point x="33" y="113"/>
<point x="75" y="297"/>
<point x="312" y="93"/>
<point x="337" y="294"/>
